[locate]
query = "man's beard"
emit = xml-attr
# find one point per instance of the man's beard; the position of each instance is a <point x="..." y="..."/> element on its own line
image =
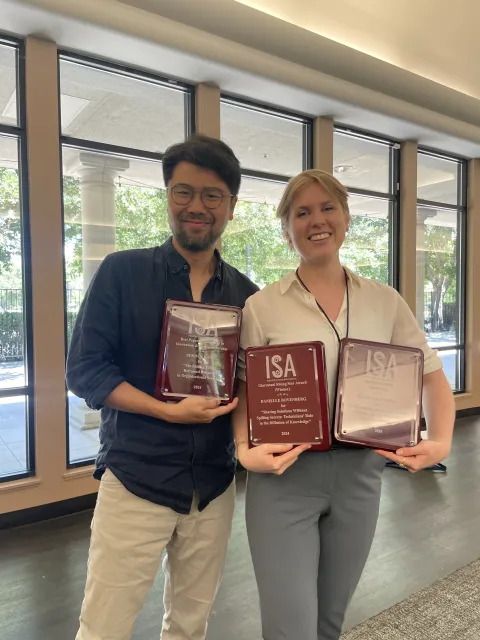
<point x="190" y="243"/>
<point x="194" y="243"/>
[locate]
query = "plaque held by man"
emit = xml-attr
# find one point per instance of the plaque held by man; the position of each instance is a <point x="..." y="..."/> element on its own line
<point x="198" y="351"/>
<point x="379" y="395"/>
<point x="287" y="399"/>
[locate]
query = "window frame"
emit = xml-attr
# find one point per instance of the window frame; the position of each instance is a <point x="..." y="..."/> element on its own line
<point x="461" y="209"/>
<point x="18" y="132"/>
<point x="307" y="136"/>
<point x="116" y="150"/>
<point x="392" y="196"/>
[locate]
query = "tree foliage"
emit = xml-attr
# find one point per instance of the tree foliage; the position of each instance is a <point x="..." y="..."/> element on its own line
<point x="10" y="226"/>
<point x="439" y="245"/>
<point x="252" y="242"/>
<point x="366" y="248"/>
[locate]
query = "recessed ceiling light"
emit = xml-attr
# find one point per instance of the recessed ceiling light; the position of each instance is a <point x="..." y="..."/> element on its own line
<point x="343" y="168"/>
<point x="10" y="110"/>
<point x="71" y="107"/>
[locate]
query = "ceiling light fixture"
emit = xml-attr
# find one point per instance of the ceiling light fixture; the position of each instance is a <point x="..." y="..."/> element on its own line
<point x="343" y="168"/>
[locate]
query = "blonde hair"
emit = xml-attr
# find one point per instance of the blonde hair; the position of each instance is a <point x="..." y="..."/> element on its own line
<point x="305" y="179"/>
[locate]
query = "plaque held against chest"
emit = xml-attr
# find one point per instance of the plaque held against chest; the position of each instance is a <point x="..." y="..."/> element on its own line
<point x="198" y="351"/>
<point x="379" y="395"/>
<point x="287" y="395"/>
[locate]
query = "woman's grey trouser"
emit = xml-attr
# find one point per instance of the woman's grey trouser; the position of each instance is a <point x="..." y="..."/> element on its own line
<point x="310" y="531"/>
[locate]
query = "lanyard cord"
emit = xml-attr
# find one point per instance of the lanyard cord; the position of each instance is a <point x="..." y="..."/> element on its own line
<point x="322" y="310"/>
<point x="335" y="330"/>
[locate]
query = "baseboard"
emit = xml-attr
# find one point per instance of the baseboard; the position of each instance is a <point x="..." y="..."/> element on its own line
<point x="465" y="413"/>
<point x="47" y="512"/>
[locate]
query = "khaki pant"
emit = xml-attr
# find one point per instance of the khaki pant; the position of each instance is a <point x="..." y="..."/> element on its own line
<point x="129" y="535"/>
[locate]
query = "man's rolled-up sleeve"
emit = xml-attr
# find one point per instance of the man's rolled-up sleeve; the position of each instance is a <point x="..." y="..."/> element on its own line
<point x="92" y="372"/>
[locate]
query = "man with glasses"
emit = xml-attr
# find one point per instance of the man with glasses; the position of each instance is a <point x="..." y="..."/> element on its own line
<point x="166" y="469"/>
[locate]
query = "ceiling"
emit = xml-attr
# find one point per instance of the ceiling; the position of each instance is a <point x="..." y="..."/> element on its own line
<point x="360" y="43"/>
<point x="133" y="113"/>
<point x="376" y="59"/>
<point x="435" y="39"/>
<point x="253" y="54"/>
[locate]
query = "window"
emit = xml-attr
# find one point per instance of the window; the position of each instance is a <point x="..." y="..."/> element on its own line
<point x="8" y="89"/>
<point x="441" y="216"/>
<point x="272" y="147"/>
<point x="16" y="383"/>
<point x="368" y="167"/>
<point x="118" y="107"/>
<point x="113" y="191"/>
<point x="253" y="242"/>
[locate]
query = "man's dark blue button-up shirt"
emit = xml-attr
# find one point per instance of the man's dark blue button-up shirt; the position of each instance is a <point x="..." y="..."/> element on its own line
<point x="116" y="338"/>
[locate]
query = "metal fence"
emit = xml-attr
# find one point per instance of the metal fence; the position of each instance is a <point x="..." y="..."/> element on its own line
<point x="12" y="335"/>
<point x="12" y="322"/>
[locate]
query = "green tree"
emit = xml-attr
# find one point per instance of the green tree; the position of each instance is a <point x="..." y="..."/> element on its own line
<point x="440" y="271"/>
<point x="141" y="217"/>
<point x="365" y="250"/>
<point x="253" y="243"/>
<point x="10" y="228"/>
<point x="72" y="211"/>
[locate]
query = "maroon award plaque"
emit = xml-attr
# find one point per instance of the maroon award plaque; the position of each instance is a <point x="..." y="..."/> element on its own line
<point x="287" y="401"/>
<point x="379" y="395"/>
<point x="198" y="352"/>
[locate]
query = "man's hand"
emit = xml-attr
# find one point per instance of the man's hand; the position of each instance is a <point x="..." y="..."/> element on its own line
<point x="261" y="459"/>
<point x="197" y="409"/>
<point x="423" y="455"/>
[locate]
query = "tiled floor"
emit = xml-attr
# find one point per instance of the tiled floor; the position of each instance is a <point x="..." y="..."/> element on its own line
<point x="428" y="527"/>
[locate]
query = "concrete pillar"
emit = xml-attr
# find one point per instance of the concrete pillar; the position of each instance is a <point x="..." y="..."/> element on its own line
<point x="97" y="178"/>
<point x="97" y="182"/>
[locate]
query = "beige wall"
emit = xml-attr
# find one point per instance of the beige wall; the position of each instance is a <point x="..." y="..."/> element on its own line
<point x="53" y="481"/>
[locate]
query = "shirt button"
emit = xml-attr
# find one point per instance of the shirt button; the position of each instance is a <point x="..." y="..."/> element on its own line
<point x="185" y="266"/>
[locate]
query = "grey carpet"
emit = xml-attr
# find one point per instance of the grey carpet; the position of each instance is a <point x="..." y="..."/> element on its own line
<point x="447" y="610"/>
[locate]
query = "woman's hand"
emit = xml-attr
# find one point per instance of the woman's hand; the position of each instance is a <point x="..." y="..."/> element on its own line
<point x="270" y="458"/>
<point x="423" y="455"/>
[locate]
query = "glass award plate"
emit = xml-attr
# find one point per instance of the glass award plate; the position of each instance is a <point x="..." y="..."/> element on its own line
<point x="287" y="399"/>
<point x="379" y="395"/>
<point x="198" y="352"/>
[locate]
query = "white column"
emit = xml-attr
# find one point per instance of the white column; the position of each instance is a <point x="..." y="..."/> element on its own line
<point x="422" y="217"/>
<point x="97" y="181"/>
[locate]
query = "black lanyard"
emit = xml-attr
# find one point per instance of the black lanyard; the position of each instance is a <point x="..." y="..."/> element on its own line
<point x="336" y="333"/>
<point x="322" y="310"/>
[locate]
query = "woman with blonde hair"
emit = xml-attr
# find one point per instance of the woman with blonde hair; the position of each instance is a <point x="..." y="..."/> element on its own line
<point x="311" y="515"/>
